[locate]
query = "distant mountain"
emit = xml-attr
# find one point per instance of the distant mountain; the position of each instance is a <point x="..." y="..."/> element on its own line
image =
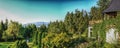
<point x="38" y="24"/>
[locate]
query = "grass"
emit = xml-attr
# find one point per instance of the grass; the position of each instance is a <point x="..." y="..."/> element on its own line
<point x="5" y="44"/>
<point x="31" y="45"/>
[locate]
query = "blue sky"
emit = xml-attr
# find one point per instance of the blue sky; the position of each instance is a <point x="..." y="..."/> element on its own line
<point x="27" y="11"/>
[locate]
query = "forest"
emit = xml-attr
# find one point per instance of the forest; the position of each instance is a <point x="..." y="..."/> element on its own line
<point x="72" y="32"/>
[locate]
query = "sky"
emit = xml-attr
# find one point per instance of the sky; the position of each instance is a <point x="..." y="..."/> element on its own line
<point x="28" y="11"/>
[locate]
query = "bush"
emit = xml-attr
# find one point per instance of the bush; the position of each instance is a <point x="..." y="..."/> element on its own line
<point x="19" y="44"/>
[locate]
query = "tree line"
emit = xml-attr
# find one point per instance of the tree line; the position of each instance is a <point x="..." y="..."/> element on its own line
<point x="69" y="33"/>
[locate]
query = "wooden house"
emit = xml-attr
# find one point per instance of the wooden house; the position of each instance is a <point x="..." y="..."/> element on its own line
<point x="113" y="8"/>
<point x="111" y="12"/>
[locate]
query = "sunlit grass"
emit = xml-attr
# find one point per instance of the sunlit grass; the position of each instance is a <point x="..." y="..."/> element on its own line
<point x="5" y="44"/>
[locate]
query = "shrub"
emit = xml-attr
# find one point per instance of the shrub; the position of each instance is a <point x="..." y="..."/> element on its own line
<point x="19" y="44"/>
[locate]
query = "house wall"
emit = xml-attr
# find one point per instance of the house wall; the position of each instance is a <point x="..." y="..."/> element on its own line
<point x="111" y="36"/>
<point x="110" y="15"/>
<point x="90" y="31"/>
<point x="118" y="13"/>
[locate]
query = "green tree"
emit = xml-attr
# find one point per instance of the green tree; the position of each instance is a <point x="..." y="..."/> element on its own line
<point x="1" y="29"/>
<point x="13" y="31"/>
<point x="95" y="13"/>
<point x="19" y="44"/>
<point x="39" y="35"/>
<point x="69" y="22"/>
<point x="76" y="22"/>
<point x="6" y="24"/>
<point x="29" y="31"/>
<point x="35" y="38"/>
<point x="42" y="28"/>
<point x="103" y="4"/>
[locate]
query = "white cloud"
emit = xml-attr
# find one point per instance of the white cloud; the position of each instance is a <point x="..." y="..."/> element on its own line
<point x="10" y="16"/>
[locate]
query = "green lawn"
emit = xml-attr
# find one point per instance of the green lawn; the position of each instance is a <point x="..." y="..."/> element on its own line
<point x="5" y="44"/>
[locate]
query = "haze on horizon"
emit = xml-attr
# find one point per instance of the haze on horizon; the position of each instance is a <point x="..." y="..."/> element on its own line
<point x="27" y="11"/>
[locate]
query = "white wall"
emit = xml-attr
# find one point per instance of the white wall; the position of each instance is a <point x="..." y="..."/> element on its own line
<point x="111" y="35"/>
<point x="89" y="31"/>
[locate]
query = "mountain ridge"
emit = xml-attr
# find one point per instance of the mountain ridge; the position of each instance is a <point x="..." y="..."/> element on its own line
<point x="38" y="24"/>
